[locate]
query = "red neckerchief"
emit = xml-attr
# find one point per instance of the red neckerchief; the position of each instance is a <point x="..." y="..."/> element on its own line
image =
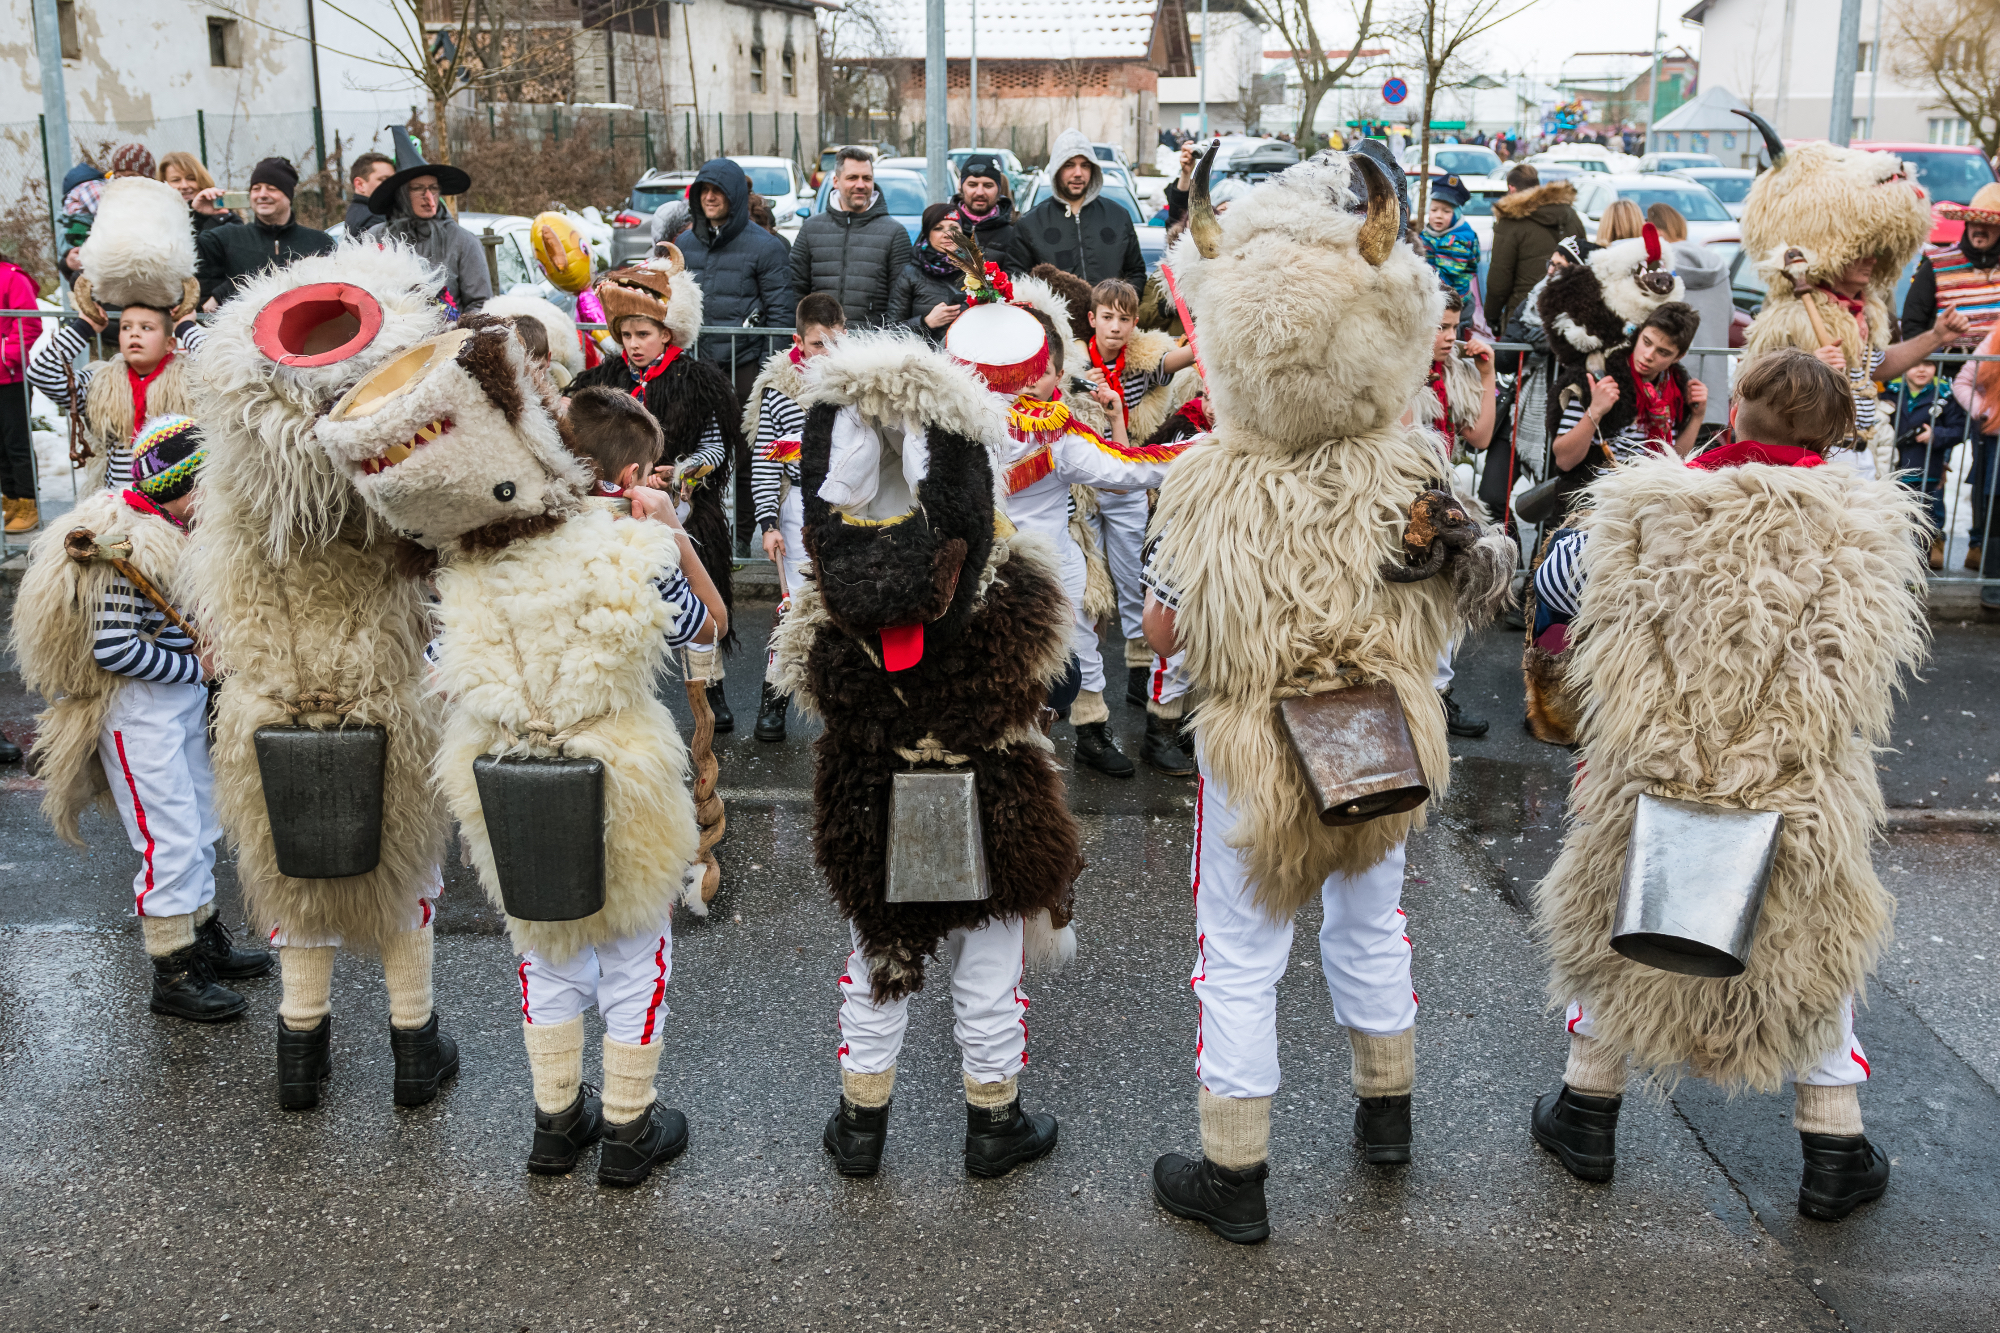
<point x="140" y="383"/>
<point x="644" y="377"/>
<point x="1738" y="452"/>
<point x="798" y="356"/>
<point x="1443" y="419"/>
<point x="134" y="500"/>
<point x="1659" y="405"/>
<point x="1853" y="306"/>
<point x="1114" y="376"/>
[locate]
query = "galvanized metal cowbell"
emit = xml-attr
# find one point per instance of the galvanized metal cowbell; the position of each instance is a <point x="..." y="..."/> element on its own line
<point x="1355" y="747"/>
<point x="937" y="844"/>
<point x="1694" y="885"/>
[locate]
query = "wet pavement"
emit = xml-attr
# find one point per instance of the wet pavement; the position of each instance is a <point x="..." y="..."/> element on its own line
<point x="151" y="1183"/>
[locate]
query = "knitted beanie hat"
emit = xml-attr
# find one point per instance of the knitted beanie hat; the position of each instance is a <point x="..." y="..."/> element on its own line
<point x="132" y="159"/>
<point x="278" y="173"/>
<point x="166" y="455"/>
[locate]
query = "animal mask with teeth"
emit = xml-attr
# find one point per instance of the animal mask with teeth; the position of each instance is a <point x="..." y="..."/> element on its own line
<point x="449" y="439"/>
<point x="1636" y="276"/>
<point x="661" y="290"/>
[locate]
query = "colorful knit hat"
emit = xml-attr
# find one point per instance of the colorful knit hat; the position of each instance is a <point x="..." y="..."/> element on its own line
<point x="166" y="455"/>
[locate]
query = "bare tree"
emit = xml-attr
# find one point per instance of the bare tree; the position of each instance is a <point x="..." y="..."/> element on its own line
<point x="860" y="67"/>
<point x="1318" y="69"/>
<point x="1245" y="69"/>
<point x="1954" y="46"/>
<point x="1438" y="33"/>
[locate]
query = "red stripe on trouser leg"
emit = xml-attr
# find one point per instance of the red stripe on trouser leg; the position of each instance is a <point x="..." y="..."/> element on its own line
<point x="1855" y="1055"/>
<point x="1200" y="940"/>
<point x="659" y="991"/>
<point x="139" y="815"/>
<point x="1159" y="677"/>
<point x="522" y="972"/>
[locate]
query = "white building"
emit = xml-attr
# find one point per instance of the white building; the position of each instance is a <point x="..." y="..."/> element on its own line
<point x="1234" y="51"/>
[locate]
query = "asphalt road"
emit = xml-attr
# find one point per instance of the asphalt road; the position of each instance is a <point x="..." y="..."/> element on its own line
<point x="151" y="1183"/>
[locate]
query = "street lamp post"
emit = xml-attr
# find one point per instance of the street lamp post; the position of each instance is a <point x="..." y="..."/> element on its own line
<point x="937" y="132"/>
<point x="973" y="130"/>
<point x="1201" y="73"/>
<point x="1847" y="44"/>
<point x="55" y="102"/>
<point x="1652" y="83"/>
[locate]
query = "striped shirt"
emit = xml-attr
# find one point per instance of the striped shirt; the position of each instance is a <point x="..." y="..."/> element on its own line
<point x="710" y="451"/>
<point x="1862" y="383"/>
<point x="781" y="422"/>
<point x="1626" y="445"/>
<point x="67" y="347"/>
<point x="689" y="614"/>
<point x="1559" y="578"/>
<point x="135" y="639"/>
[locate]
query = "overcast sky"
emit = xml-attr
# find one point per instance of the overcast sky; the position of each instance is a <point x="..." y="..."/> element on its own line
<point x="1540" y="38"/>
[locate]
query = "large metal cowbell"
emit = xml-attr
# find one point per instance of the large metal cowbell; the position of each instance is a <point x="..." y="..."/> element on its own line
<point x="545" y="823"/>
<point x="1694" y="883"/>
<point x="323" y="794"/>
<point x="937" y="844"/>
<point x="1355" y="747"/>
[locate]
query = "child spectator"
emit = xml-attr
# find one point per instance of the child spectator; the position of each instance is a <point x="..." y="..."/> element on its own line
<point x="1449" y="245"/>
<point x="1644" y="402"/>
<point x="1930" y="423"/>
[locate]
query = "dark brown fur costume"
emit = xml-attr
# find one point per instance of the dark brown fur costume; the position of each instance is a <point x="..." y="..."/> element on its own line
<point x="1577" y="293"/>
<point x="685" y="397"/>
<point x="978" y="690"/>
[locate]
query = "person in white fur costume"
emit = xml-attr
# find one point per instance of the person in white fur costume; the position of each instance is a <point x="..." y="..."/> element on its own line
<point x="1285" y="568"/>
<point x="297" y="585"/>
<point x="556" y="620"/>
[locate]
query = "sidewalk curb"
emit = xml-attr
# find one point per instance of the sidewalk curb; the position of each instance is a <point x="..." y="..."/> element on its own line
<point x="1914" y="820"/>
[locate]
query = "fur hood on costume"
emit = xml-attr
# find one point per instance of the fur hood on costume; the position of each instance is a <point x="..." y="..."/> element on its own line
<point x="54" y="625"/>
<point x="107" y="409"/>
<point x="565" y="343"/>
<point x="928" y="638"/>
<point x="659" y="289"/>
<point x="140" y="250"/>
<point x="1635" y="276"/>
<point x="1742" y="638"/>
<point x="1588" y="307"/>
<point x="1554" y="195"/>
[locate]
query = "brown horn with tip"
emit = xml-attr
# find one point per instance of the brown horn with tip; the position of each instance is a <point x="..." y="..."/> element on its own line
<point x="1385" y="216"/>
<point x="85" y="302"/>
<point x="1203" y="224"/>
<point x="190" y="298"/>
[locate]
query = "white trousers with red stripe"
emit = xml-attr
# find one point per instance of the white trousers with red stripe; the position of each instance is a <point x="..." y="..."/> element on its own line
<point x="1845" y="1064"/>
<point x="1083" y="630"/>
<point x="1240" y="953"/>
<point x="989" y="1012"/>
<point x="154" y="746"/>
<point x="1168" y="679"/>
<point x="792" y="527"/>
<point x="1121" y="525"/>
<point x="626" y="979"/>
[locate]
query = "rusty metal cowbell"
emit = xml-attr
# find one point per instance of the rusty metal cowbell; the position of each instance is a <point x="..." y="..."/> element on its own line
<point x="937" y="842"/>
<point x="1694" y="884"/>
<point x="323" y="795"/>
<point x="545" y="824"/>
<point x="1355" y="747"/>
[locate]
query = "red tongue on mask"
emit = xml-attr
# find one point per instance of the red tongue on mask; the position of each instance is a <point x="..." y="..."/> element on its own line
<point x="902" y="646"/>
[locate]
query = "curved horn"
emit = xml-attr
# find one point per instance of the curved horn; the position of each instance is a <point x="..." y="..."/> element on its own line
<point x="1385" y="215"/>
<point x="675" y="263"/>
<point x="190" y="298"/>
<point x="1203" y="225"/>
<point x="85" y="302"/>
<point x="1773" y="145"/>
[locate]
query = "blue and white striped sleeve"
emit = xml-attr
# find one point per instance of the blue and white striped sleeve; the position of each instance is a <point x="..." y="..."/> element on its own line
<point x="65" y="347"/>
<point x="689" y="614"/>
<point x="709" y="452"/>
<point x="778" y="418"/>
<point x="135" y="640"/>
<point x="1559" y="578"/>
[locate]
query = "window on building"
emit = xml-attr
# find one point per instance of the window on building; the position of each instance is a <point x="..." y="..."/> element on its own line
<point x="1864" y="61"/>
<point x="1950" y="130"/>
<point x="223" y="52"/>
<point x="756" y="69"/>
<point x="791" y="73"/>
<point x="72" y="45"/>
<point x="1857" y="128"/>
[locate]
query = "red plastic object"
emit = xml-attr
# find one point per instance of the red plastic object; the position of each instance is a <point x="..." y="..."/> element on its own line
<point x="317" y="325"/>
<point x="902" y="646"/>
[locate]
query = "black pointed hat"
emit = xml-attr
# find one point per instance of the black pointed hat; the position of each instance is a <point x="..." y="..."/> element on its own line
<point x="410" y="164"/>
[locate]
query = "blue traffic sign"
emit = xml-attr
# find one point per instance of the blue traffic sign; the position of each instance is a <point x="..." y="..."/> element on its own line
<point x="1394" y="91"/>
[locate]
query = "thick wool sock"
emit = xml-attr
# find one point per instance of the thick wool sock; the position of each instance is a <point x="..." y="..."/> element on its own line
<point x="629" y="1072"/>
<point x="1827" y="1110"/>
<point x="204" y="912"/>
<point x="1088" y="708"/>
<point x="166" y="934"/>
<point x="1138" y="653"/>
<point x="868" y="1089"/>
<point x="406" y="969"/>
<point x="555" y="1059"/>
<point x="307" y="977"/>
<point x="1594" y="1070"/>
<point x="1172" y="710"/>
<point x="1235" y="1131"/>
<point x="1384" y="1066"/>
<point x="990" y="1095"/>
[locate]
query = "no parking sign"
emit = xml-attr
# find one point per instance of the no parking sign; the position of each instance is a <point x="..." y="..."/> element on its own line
<point x="1394" y="91"/>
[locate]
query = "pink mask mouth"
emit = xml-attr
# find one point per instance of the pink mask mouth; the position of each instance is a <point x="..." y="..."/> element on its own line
<point x="902" y="646"/>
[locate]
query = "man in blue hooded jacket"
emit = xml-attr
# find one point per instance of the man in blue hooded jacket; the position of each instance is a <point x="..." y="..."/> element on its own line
<point x="744" y="271"/>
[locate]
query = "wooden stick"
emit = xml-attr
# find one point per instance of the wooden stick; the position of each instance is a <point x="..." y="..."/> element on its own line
<point x="81" y="546"/>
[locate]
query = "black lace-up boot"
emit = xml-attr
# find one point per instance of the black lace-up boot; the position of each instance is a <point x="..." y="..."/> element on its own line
<point x="627" y="1153"/>
<point x="1382" y="1130"/>
<point x="1459" y="722"/>
<point x="1135" y="685"/>
<point x="1229" y="1203"/>
<point x="718" y="704"/>
<point x="561" y="1138"/>
<point x="425" y="1058"/>
<point x="1582" y="1131"/>
<point x="855" y="1135"/>
<point x="1000" y="1138"/>
<point x="305" y="1064"/>
<point x="1095" y="749"/>
<point x="1842" y="1173"/>
<point x="771" y="713"/>
<point x="224" y="958"/>
<point x="184" y="986"/>
<point x="1162" y="750"/>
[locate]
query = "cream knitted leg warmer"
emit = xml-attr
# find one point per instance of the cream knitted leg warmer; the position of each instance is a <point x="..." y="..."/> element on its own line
<point x="1138" y="653"/>
<point x="1235" y="1131"/>
<point x="406" y="968"/>
<point x="166" y="934"/>
<point x="204" y="912"/>
<point x="1594" y="1070"/>
<point x="629" y="1072"/>
<point x="1827" y="1110"/>
<point x="1384" y="1066"/>
<point x="990" y="1095"/>
<point x="1173" y="709"/>
<point x="307" y="978"/>
<point x="555" y="1059"/>
<point x="868" y="1090"/>
<point x="1088" y="708"/>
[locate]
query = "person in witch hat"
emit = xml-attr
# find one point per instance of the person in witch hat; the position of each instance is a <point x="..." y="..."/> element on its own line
<point x="411" y="206"/>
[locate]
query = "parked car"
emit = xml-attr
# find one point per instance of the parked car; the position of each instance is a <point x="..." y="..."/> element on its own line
<point x="1458" y="159"/>
<point x="1152" y="240"/>
<point x="902" y="188"/>
<point x="1729" y="184"/>
<point x="1262" y="162"/>
<point x="1677" y="161"/>
<point x="1110" y="152"/>
<point x="631" y="236"/>
<point x="1707" y="219"/>
<point x="1949" y="174"/>
<point x="1587" y="157"/>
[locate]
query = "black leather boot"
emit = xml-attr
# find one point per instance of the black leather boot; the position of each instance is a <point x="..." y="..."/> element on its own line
<point x="1581" y="1131"/>
<point x="1162" y="749"/>
<point x="628" y="1153"/>
<point x="1229" y="1203"/>
<point x="305" y="1065"/>
<point x="1842" y="1173"/>
<point x="224" y="958"/>
<point x="1135" y="685"/>
<point x="1000" y="1138"/>
<point x="718" y="704"/>
<point x="1382" y="1130"/>
<point x="561" y="1138"/>
<point x="771" y="714"/>
<point x="425" y="1058"/>
<point x="184" y="986"/>
<point x="1459" y="722"/>
<point x="855" y="1135"/>
<point x="1096" y="749"/>
<point x="10" y="753"/>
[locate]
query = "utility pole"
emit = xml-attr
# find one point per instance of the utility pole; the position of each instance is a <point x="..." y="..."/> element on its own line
<point x="55" y="103"/>
<point x="1201" y="73"/>
<point x="1784" y="64"/>
<point x="1874" y="67"/>
<point x="974" y="130"/>
<point x="319" y="107"/>
<point x="937" y="131"/>
<point x="1652" y="84"/>
<point x="1847" y="46"/>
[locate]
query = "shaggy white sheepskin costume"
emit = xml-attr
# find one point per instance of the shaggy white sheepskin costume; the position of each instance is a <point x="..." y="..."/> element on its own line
<point x="1741" y="639"/>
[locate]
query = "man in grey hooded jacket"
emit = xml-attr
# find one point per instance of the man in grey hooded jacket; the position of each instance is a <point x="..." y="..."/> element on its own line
<point x="1073" y="228"/>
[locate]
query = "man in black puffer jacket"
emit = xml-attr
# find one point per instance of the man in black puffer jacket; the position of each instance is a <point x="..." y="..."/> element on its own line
<point x="741" y="268"/>
<point x="984" y="210"/>
<point x="1076" y="230"/>
<point x="854" y="250"/>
